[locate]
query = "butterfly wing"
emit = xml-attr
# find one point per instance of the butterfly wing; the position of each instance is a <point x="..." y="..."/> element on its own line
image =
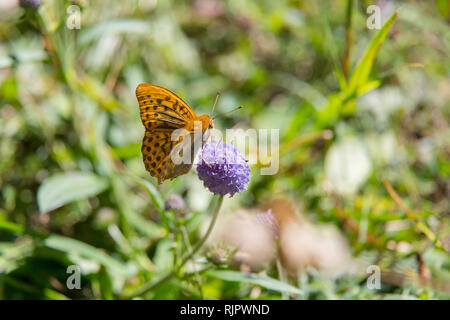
<point x="162" y="110"/>
<point x="156" y="147"/>
<point x="158" y="150"/>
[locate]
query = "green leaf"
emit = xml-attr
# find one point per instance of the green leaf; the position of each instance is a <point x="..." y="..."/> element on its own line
<point x="368" y="86"/>
<point x="344" y="101"/>
<point x="147" y="227"/>
<point x="128" y="151"/>
<point x="11" y="226"/>
<point x="61" y="189"/>
<point x="263" y="281"/>
<point x="73" y="246"/>
<point x="152" y="192"/>
<point x="362" y="70"/>
<point x="341" y="79"/>
<point x="133" y="26"/>
<point x="106" y="284"/>
<point x="47" y="293"/>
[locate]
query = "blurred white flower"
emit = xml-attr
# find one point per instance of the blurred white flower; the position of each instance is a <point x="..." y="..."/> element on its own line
<point x="303" y="245"/>
<point x="382" y="102"/>
<point x="253" y="241"/>
<point x="382" y="147"/>
<point x="8" y="4"/>
<point x="347" y="165"/>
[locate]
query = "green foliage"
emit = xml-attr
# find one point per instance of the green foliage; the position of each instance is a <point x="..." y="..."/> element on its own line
<point x="255" y="279"/>
<point x="61" y="189"/>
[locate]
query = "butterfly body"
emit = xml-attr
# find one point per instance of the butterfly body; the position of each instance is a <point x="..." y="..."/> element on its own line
<point x="162" y="112"/>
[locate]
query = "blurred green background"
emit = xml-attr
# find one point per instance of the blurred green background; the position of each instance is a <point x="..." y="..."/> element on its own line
<point x="364" y="146"/>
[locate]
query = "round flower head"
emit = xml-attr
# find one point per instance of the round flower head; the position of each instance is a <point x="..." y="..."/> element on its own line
<point x="30" y="4"/>
<point x="176" y="203"/>
<point x="223" y="168"/>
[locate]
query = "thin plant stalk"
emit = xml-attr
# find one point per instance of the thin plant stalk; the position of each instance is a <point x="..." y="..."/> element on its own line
<point x="152" y="285"/>
<point x="348" y="38"/>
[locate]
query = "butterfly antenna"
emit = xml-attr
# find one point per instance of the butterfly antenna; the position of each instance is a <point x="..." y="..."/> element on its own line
<point x="222" y="114"/>
<point x="205" y="161"/>
<point x="215" y="102"/>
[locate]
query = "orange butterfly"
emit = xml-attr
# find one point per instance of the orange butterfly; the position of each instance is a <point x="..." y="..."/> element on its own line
<point x="163" y="112"/>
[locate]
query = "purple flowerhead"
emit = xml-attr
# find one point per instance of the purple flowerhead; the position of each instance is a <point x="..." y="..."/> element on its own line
<point x="30" y="4"/>
<point x="223" y="169"/>
<point x="176" y="203"/>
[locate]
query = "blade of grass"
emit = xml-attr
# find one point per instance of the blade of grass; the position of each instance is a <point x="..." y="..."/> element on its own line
<point x="11" y="226"/>
<point x="151" y="190"/>
<point x="25" y="287"/>
<point x="147" y="227"/>
<point x="344" y="101"/>
<point x="420" y="225"/>
<point x="362" y="70"/>
<point x="70" y="245"/>
<point x="263" y="281"/>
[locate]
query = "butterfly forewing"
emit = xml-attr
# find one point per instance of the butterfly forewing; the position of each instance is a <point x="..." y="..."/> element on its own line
<point x="161" y="109"/>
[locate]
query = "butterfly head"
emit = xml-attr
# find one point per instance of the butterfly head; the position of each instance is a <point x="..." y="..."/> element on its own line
<point x="207" y="122"/>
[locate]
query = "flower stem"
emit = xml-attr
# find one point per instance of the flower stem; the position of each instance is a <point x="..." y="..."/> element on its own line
<point x="153" y="284"/>
<point x="208" y="232"/>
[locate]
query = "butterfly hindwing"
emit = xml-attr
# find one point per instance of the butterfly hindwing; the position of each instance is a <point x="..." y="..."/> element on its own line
<point x="156" y="152"/>
<point x="155" y="149"/>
